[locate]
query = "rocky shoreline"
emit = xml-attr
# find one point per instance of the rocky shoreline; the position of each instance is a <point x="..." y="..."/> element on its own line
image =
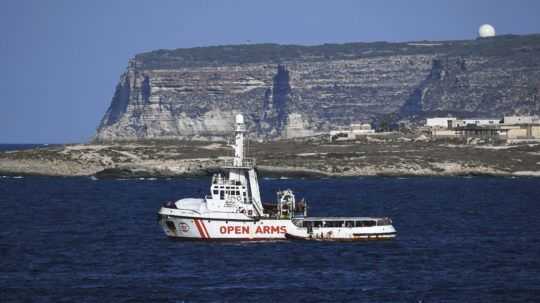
<point x="287" y="158"/>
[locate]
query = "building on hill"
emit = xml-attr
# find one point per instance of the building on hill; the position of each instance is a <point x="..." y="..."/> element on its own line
<point x="511" y="128"/>
<point x="452" y="122"/>
<point x="477" y="122"/>
<point x="362" y="129"/>
<point x="519" y="128"/>
<point x="454" y="127"/>
<point x="352" y="132"/>
<point x="516" y="120"/>
<point x="479" y="131"/>
<point x="441" y="122"/>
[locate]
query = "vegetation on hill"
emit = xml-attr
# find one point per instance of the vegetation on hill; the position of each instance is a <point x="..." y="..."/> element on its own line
<point x="276" y="53"/>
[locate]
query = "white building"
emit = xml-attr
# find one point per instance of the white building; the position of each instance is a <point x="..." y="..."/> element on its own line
<point x="513" y="120"/>
<point x="444" y="122"/>
<point x="361" y="129"/>
<point x="521" y="128"/>
<point x="477" y="122"/>
<point x="451" y="122"/>
<point x="351" y="132"/>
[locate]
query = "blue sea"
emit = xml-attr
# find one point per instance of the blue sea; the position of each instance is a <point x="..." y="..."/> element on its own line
<point x="10" y="147"/>
<point x="459" y="240"/>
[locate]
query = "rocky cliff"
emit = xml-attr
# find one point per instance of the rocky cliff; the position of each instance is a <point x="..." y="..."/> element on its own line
<point x="289" y="91"/>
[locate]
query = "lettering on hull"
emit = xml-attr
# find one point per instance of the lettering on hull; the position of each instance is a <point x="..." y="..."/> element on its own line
<point x="243" y="230"/>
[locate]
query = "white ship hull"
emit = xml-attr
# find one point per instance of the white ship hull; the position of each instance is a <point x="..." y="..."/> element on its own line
<point x="233" y="210"/>
<point x="344" y="234"/>
<point x="199" y="228"/>
<point x="181" y="227"/>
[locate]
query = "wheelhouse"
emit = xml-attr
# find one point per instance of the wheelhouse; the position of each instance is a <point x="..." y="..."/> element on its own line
<point x="226" y="189"/>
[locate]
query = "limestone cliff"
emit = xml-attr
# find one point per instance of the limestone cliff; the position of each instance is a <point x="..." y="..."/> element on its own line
<point x="290" y="91"/>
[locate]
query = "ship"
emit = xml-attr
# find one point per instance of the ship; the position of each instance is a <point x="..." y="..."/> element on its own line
<point x="233" y="210"/>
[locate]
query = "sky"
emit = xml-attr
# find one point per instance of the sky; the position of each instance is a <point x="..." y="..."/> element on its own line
<point x="60" y="60"/>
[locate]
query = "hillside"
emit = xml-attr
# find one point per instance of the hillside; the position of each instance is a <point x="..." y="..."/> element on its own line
<point x="290" y="91"/>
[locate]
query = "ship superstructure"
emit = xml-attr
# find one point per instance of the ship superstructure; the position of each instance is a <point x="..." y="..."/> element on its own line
<point x="234" y="210"/>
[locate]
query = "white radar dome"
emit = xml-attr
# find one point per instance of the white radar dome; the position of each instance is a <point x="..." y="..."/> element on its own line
<point x="239" y="119"/>
<point x="486" y="30"/>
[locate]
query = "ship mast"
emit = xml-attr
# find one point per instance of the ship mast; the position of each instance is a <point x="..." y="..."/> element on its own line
<point x="237" y="173"/>
<point x="239" y="141"/>
<point x="241" y="165"/>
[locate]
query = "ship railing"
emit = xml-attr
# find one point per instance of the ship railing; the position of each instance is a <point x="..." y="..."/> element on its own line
<point x="240" y="128"/>
<point x="245" y="163"/>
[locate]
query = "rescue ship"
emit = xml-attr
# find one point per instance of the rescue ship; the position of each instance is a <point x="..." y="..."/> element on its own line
<point x="233" y="210"/>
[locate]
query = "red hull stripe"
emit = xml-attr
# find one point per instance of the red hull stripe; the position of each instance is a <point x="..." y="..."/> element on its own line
<point x="199" y="228"/>
<point x="204" y="228"/>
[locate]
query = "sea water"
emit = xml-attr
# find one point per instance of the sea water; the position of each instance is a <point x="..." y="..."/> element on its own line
<point x="88" y="240"/>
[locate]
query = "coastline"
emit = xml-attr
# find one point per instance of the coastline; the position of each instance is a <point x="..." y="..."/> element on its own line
<point x="275" y="159"/>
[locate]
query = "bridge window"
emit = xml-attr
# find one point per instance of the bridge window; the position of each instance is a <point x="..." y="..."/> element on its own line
<point x="384" y="221"/>
<point x="365" y="223"/>
<point x="215" y="191"/>
<point x="333" y="224"/>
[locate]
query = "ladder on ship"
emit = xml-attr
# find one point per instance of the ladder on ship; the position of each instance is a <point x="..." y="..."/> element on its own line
<point x="255" y="193"/>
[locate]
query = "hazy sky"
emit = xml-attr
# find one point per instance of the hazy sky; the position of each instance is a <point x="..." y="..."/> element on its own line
<point x="60" y="60"/>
